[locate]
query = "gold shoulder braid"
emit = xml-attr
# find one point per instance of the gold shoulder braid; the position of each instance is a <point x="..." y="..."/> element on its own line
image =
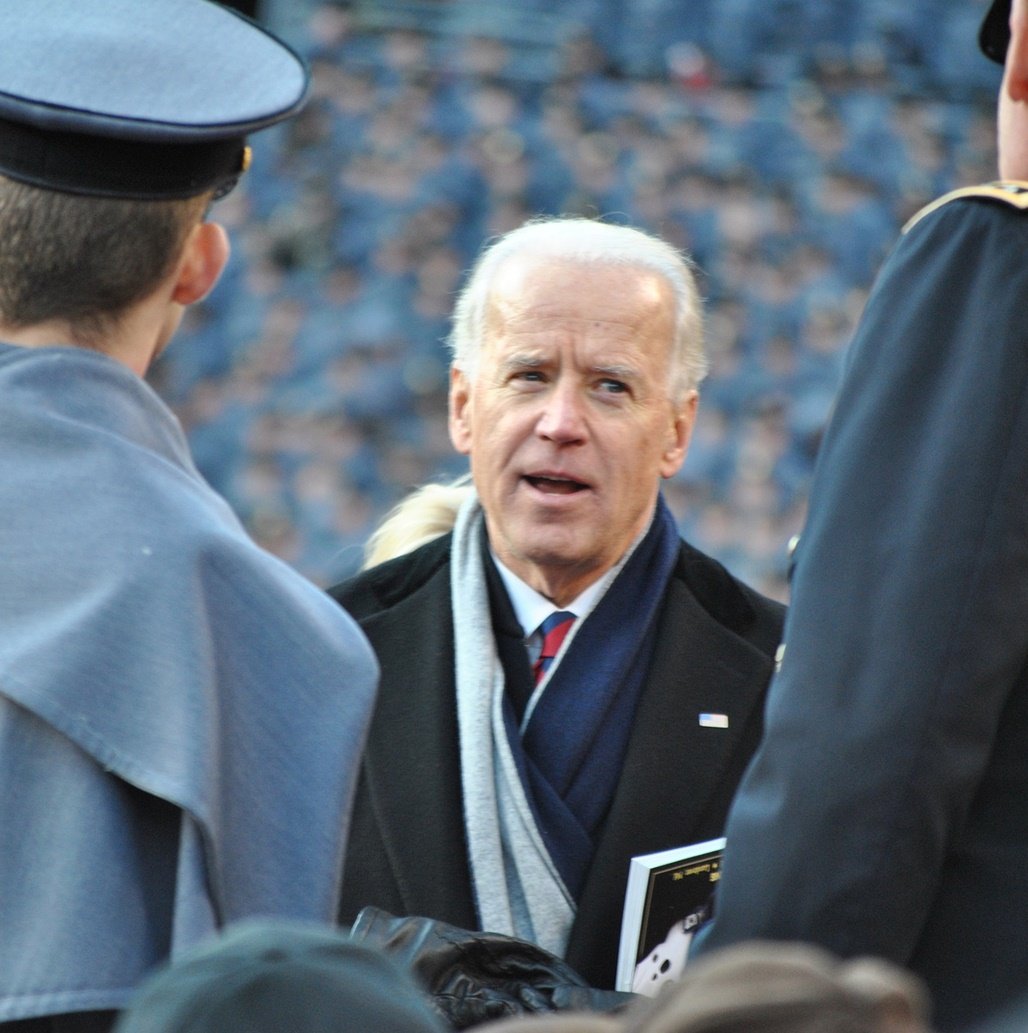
<point x="1011" y="192"/>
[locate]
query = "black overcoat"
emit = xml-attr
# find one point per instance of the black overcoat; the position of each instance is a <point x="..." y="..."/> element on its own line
<point x="714" y="654"/>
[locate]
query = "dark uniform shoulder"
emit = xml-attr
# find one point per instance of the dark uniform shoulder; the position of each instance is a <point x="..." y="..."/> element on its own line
<point x="1011" y="193"/>
<point x="380" y="587"/>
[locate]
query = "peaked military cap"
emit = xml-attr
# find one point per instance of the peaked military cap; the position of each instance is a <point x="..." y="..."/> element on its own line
<point x="994" y="35"/>
<point x="275" y="975"/>
<point x="144" y="99"/>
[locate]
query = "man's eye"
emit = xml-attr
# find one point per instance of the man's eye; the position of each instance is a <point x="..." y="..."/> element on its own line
<point x="533" y="375"/>
<point x="612" y="386"/>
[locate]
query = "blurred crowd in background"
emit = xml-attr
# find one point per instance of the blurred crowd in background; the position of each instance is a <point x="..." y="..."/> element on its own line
<point x="782" y="144"/>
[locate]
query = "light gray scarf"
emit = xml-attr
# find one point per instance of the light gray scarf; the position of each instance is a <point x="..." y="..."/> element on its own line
<point x="518" y="890"/>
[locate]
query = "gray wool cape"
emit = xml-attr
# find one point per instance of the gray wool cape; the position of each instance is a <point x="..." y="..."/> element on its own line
<point x="181" y="714"/>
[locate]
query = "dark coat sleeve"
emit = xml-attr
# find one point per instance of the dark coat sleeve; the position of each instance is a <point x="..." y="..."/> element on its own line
<point x="907" y="633"/>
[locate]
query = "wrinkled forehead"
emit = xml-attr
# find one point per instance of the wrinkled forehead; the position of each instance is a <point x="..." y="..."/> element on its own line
<point x="538" y="292"/>
<point x="580" y="315"/>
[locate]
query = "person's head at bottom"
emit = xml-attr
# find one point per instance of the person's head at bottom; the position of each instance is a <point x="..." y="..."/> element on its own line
<point x="765" y="987"/>
<point x="266" y="976"/>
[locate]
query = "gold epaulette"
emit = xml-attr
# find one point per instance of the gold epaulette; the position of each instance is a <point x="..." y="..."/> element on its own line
<point x="1011" y="192"/>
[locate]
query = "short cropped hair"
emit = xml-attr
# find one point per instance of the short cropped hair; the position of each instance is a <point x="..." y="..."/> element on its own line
<point x="84" y="260"/>
<point x="589" y="242"/>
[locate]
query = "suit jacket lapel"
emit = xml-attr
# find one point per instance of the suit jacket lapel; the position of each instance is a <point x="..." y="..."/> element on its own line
<point x="413" y="758"/>
<point x="677" y="775"/>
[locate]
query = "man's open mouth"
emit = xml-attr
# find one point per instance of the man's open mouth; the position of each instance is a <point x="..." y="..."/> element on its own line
<point x="556" y="485"/>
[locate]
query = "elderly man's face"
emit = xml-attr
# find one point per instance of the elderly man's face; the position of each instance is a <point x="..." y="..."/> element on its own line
<point x="569" y="420"/>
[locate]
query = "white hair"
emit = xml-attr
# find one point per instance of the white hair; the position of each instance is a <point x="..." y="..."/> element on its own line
<point x="588" y="242"/>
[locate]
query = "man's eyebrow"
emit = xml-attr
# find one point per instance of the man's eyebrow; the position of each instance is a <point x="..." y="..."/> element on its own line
<point x="522" y="360"/>
<point x="617" y="371"/>
<point x="536" y="360"/>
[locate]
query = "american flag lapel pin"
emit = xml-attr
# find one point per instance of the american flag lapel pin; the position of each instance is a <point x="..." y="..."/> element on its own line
<point x="713" y="720"/>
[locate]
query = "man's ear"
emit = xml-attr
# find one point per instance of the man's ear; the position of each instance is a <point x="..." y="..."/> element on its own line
<point x="460" y="410"/>
<point x="1016" y="64"/>
<point x="204" y="256"/>
<point x="679" y="434"/>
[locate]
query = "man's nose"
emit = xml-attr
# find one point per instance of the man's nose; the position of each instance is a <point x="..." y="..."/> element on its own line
<point x="563" y="418"/>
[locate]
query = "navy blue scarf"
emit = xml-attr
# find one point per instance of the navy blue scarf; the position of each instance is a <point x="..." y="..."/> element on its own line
<point x="571" y="753"/>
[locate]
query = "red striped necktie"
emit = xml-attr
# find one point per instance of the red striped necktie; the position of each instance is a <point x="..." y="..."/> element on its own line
<point x="554" y="630"/>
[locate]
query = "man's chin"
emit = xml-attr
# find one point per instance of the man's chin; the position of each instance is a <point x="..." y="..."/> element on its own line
<point x="542" y="557"/>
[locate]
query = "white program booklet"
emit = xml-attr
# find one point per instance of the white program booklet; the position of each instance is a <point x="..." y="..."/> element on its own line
<point x="667" y="898"/>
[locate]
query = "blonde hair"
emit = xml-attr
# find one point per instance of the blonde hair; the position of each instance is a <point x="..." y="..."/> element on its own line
<point x="425" y="514"/>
